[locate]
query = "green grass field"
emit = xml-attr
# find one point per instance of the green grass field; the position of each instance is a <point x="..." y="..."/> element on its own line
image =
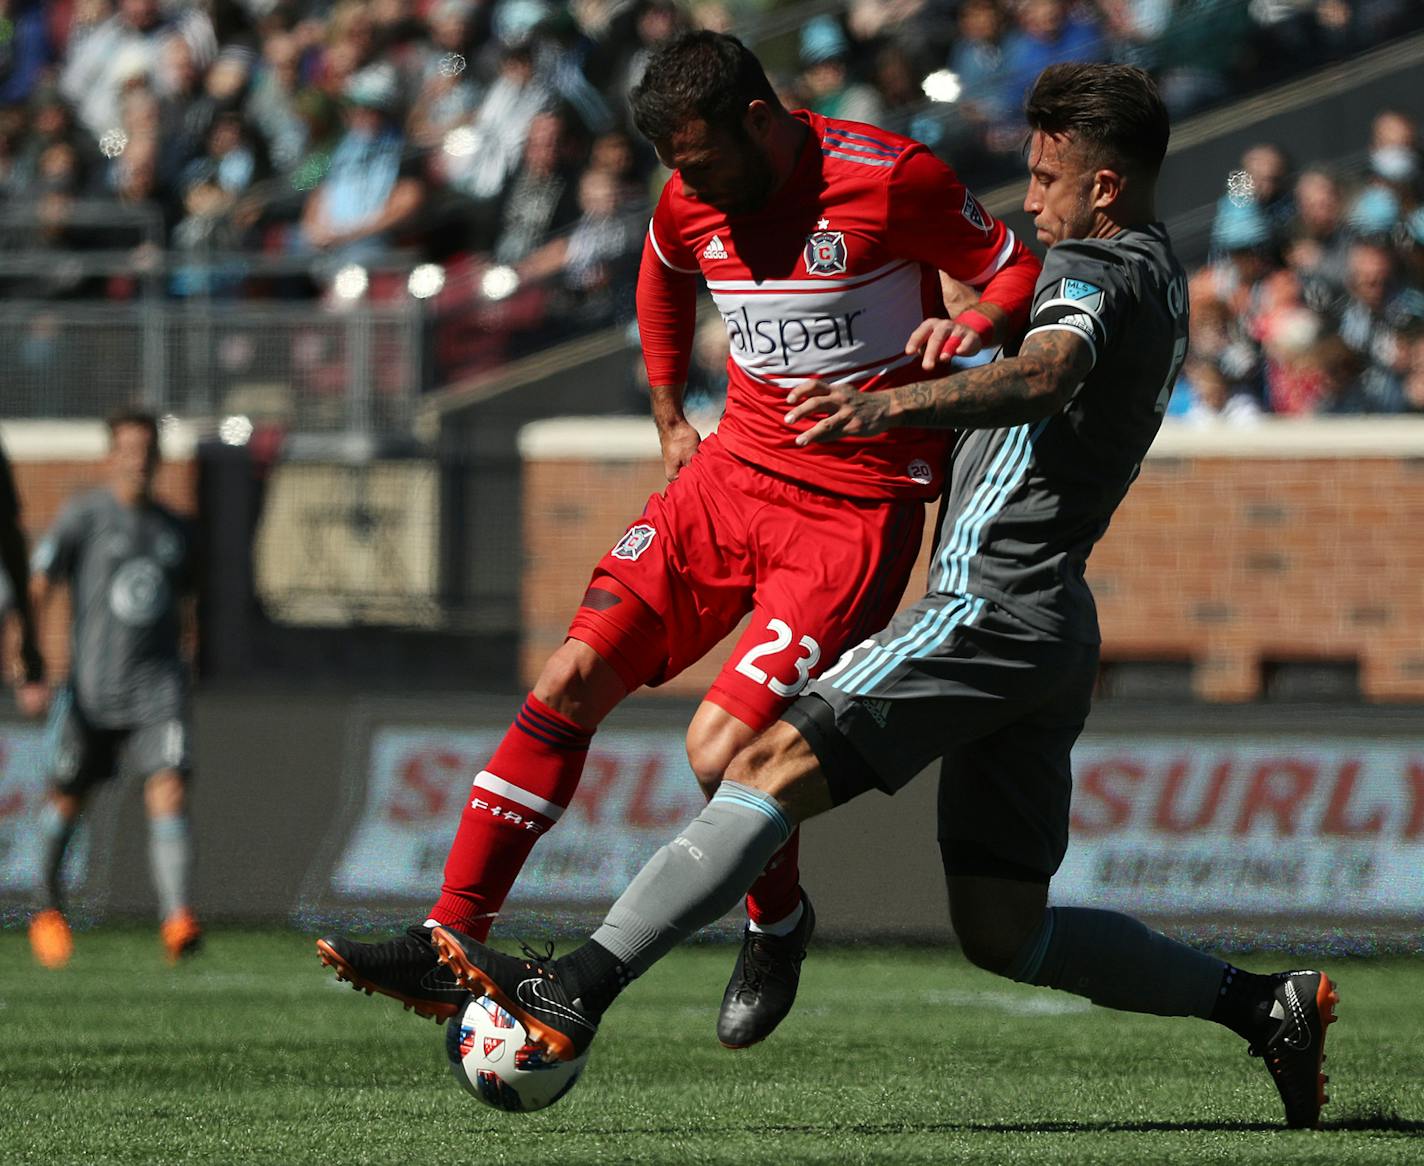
<point x="253" y="1053"/>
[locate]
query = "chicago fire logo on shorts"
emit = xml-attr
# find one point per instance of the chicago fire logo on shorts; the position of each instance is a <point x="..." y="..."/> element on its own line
<point x="825" y="253"/>
<point x="638" y="539"/>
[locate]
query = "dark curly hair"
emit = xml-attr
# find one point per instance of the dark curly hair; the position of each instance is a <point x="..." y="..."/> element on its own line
<point x="1115" y="110"/>
<point x="707" y="76"/>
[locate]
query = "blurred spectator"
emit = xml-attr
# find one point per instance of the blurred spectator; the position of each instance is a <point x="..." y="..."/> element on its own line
<point x="1317" y="244"/>
<point x="542" y="198"/>
<point x="595" y="263"/>
<point x="26" y="53"/>
<point x="1048" y="32"/>
<point x="1394" y="156"/>
<point x="1337" y="369"/>
<point x="128" y="45"/>
<point x="1211" y="399"/>
<point x="1413" y="389"/>
<point x="1372" y="319"/>
<point x="371" y="187"/>
<point x="1269" y="171"/>
<point x="50" y="124"/>
<point x="1133" y="29"/>
<point x="1241" y="240"/>
<point x="482" y="162"/>
<point x="448" y="93"/>
<point x="272" y="104"/>
<point x="825" y="82"/>
<point x="1204" y="44"/>
<point x="978" y="61"/>
<point x="212" y="184"/>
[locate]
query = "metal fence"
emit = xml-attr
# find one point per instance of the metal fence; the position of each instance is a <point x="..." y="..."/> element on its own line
<point x="297" y="365"/>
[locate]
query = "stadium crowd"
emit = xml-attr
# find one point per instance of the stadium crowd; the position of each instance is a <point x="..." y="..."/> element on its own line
<point x="1313" y="302"/>
<point x="492" y="137"/>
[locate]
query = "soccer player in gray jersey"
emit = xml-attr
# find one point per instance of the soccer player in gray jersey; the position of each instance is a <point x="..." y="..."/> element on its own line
<point x="993" y="670"/>
<point x="127" y="562"/>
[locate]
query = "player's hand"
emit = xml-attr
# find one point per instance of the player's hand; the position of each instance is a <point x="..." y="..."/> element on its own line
<point x="847" y="412"/>
<point x="32" y="699"/>
<point x="679" y="441"/>
<point x="939" y="340"/>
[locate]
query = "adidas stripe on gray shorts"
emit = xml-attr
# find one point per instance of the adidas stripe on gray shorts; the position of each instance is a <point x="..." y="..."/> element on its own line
<point x="959" y="678"/>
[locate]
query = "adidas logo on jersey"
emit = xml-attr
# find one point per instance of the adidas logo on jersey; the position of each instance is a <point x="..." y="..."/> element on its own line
<point x="879" y="711"/>
<point x="1080" y="320"/>
<point x="715" y="250"/>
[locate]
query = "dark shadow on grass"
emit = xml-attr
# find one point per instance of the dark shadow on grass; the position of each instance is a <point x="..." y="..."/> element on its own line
<point x="1386" y="1122"/>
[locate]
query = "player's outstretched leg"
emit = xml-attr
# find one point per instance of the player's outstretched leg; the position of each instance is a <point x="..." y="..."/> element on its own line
<point x="404" y="968"/>
<point x="526" y="987"/>
<point x="1293" y="1049"/>
<point x="764" y="982"/>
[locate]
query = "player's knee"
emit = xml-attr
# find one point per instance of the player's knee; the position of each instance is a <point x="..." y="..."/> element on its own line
<point x="576" y="682"/>
<point x="164" y="793"/>
<point x="993" y="919"/>
<point x="709" y="761"/>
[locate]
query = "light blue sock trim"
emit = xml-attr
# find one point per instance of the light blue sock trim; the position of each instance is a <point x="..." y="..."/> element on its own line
<point x="1029" y="961"/>
<point x="750" y="799"/>
<point x="169" y="826"/>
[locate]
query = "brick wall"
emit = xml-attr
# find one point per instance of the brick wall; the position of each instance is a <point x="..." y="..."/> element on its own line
<point x="1288" y="542"/>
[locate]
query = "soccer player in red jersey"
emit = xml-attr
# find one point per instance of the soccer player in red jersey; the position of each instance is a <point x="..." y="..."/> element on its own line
<point x="821" y="242"/>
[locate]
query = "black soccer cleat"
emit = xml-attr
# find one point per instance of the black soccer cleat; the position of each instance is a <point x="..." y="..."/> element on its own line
<point x="763" y="984"/>
<point x="404" y="968"/>
<point x="524" y="986"/>
<point x="1295" y="1050"/>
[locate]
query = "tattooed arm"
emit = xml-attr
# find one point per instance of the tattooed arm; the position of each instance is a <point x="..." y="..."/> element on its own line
<point x="1034" y="384"/>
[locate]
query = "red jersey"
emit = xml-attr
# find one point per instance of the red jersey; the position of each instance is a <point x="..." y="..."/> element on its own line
<point x="827" y="280"/>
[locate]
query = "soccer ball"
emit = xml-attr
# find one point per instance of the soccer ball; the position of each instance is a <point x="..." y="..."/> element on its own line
<point x="492" y="1059"/>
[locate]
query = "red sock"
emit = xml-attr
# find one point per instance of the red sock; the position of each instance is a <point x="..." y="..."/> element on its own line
<point x="777" y="891"/>
<point x="528" y="783"/>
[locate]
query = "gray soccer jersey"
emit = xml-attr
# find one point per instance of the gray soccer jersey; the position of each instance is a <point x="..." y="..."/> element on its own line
<point x="1025" y="505"/>
<point x="993" y="669"/>
<point x="127" y="570"/>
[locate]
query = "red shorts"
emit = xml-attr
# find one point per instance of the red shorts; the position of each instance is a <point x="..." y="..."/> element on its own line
<point x="819" y="572"/>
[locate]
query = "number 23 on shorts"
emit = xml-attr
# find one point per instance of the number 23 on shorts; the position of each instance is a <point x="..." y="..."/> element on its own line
<point x="781" y="637"/>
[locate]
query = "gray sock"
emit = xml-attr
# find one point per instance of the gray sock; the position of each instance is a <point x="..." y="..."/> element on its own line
<point x="57" y="833"/>
<point x="170" y="855"/>
<point x="1115" y="961"/>
<point x="695" y="879"/>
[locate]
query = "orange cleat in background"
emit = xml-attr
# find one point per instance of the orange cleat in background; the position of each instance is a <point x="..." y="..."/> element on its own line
<point x="181" y="934"/>
<point x="50" y="938"/>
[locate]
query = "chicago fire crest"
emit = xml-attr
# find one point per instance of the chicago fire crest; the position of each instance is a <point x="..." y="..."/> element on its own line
<point x="825" y="253"/>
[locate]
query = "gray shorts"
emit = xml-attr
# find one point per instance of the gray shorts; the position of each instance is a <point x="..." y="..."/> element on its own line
<point x="84" y="755"/>
<point x="963" y="681"/>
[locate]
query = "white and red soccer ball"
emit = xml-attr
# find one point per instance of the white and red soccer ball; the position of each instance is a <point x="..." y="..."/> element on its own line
<point x="492" y="1059"/>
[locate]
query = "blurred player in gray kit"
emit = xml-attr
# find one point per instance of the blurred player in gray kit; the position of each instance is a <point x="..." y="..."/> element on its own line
<point x="27" y="670"/>
<point x="127" y="562"/>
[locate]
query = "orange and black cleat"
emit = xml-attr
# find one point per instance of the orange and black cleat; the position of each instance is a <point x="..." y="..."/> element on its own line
<point x="403" y="968"/>
<point x="50" y="938"/>
<point x="1294" y="1054"/>
<point x="181" y="935"/>
<point x="525" y="987"/>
